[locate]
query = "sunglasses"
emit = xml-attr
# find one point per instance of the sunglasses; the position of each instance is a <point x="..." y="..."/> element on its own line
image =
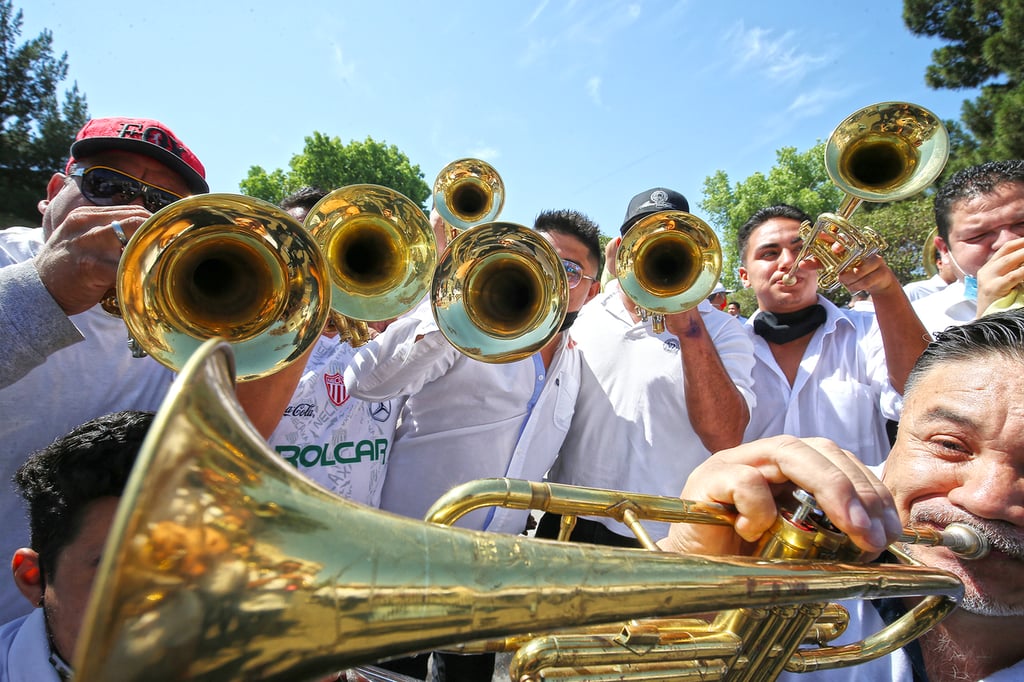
<point x="574" y="273"/>
<point x="108" y="187"/>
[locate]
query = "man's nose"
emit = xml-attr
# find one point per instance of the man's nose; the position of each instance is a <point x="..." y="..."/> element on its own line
<point x="992" y="488"/>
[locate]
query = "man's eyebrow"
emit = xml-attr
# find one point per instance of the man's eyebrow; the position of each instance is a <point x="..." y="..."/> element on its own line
<point x="948" y="415"/>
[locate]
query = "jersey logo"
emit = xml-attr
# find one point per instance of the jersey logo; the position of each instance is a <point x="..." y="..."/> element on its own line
<point x="381" y="412"/>
<point x="336" y="390"/>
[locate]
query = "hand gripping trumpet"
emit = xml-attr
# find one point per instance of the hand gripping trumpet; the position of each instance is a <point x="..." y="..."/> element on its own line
<point x="223" y="562"/>
<point x="739" y="644"/>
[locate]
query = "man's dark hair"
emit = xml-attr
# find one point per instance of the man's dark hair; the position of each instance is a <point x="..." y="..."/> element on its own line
<point x="761" y="216"/>
<point x="996" y="334"/>
<point x="973" y="182"/>
<point x="58" y="482"/>
<point x="576" y="224"/>
<point x="304" y="197"/>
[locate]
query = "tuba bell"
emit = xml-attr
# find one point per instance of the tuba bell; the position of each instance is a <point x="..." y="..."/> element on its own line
<point x="468" y="192"/>
<point x="228" y="266"/>
<point x="668" y="262"/>
<point x="499" y="292"/>
<point x="223" y="562"/>
<point x="380" y="252"/>
<point x="884" y="152"/>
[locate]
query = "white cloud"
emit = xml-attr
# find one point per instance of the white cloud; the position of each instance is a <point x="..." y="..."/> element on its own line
<point x="342" y="68"/>
<point x="778" y="58"/>
<point x="815" y="102"/>
<point x="486" y="153"/>
<point x="538" y="10"/>
<point x="594" y="89"/>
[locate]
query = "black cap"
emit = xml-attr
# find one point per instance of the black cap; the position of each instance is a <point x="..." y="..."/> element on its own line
<point x="652" y="201"/>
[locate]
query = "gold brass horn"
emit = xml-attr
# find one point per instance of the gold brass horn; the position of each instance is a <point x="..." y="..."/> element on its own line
<point x="468" y="192"/>
<point x="881" y="153"/>
<point x="666" y="646"/>
<point x="668" y="262"/>
<point x="499" y="292"/>
<point x="223" y="562"/>
<point x="223" y="265"/>
<point x="380" y="253"/>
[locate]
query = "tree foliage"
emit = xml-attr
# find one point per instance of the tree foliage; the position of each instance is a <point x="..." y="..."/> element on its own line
<point x="800" y="179"/>
<point x="327" y="163"/>
<point x="982" y="51"/>
<point x="36" y="129"/>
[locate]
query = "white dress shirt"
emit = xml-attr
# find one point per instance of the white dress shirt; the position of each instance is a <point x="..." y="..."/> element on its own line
<point x="630" y="430"/>
<point x="946" y="308"/>
<point x="838" y="391"/>
<point x="463" y="419"/>
<point x="924" y="287"/>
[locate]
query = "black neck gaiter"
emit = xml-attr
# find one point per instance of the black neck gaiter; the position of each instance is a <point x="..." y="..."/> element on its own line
<point x="782" y="328"/>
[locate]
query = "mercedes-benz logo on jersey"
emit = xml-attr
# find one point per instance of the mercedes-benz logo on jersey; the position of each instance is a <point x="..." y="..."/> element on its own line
<point x="381" y="412"/>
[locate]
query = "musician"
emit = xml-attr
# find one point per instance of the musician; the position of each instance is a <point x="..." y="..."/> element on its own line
<point x="71" y="489"/>
<point x="651" y="407"/>
<point x="819" y="369"/>
<point x="466" y="419"/>
<point x="958" y="457"/>
<point x="65" y="359"/>
<point x="341" y="442"/>
<point x="979" y="213"/>
<point x="944" y="276"/>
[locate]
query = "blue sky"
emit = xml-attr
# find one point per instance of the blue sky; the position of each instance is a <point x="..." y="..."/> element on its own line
<point x="578" y="103"/>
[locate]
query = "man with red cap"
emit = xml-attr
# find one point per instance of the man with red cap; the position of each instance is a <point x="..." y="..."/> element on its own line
<point x="65" y="359"/>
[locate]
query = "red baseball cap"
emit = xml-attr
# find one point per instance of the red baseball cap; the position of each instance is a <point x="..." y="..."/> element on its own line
<point x="141" y="136"/>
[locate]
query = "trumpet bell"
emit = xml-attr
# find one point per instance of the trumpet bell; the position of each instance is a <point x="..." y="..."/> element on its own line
<point x="228" y="266"/>
<point x="929" y="254"/>
<point x="500" y="292"/>
<point x="887" y="151"/>
<point x="468" y="192"/>
<point x="669" y="262"/>
<point x="379" y="249"/>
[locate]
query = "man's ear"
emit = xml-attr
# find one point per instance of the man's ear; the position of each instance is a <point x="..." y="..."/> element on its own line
<point x="28" y="575"/>
<point x="743" y="277"/>
<point x="595" y="289"/>
<point x="54" y="186"/>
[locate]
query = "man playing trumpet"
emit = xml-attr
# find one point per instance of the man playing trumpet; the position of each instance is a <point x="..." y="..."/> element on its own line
<point x="958" y="457"/>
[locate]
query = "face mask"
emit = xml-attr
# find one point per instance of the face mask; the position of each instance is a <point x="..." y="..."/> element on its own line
<point x="971" y="288"/>
<point x="567" y="322"/>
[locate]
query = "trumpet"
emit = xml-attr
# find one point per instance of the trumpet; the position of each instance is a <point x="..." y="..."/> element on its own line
<point x="791" y="639"/>
<point x="468" y="192"/>
<point x="380" y="252"/>
<point x="881" y="153"/>
<point x="227" y="266"/>
<point x="223" y="561"/>
<point x="668" y="262"/>
<point x="499" y="292"/>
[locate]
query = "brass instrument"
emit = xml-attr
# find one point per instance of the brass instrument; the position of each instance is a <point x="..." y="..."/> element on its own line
<point x="929" y="253"/>
<point x="223" y="265"/>
<point x="881" y="153"/>
<point x="380" y="253"/>
<point x="667" y="263"/>
<point x="499" y="292"/>
<point x="468" y="192"/>
<point x="743" y="644"/>
<point x="223" y="562"/>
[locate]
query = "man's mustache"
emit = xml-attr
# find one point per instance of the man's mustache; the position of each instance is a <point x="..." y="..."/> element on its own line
<point x="1001" y="535"/>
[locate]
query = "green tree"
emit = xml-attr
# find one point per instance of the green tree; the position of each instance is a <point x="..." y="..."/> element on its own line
<point x="36" y="129"/>
<point x="982" y="51"/>
<point x="327" y="163"/>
